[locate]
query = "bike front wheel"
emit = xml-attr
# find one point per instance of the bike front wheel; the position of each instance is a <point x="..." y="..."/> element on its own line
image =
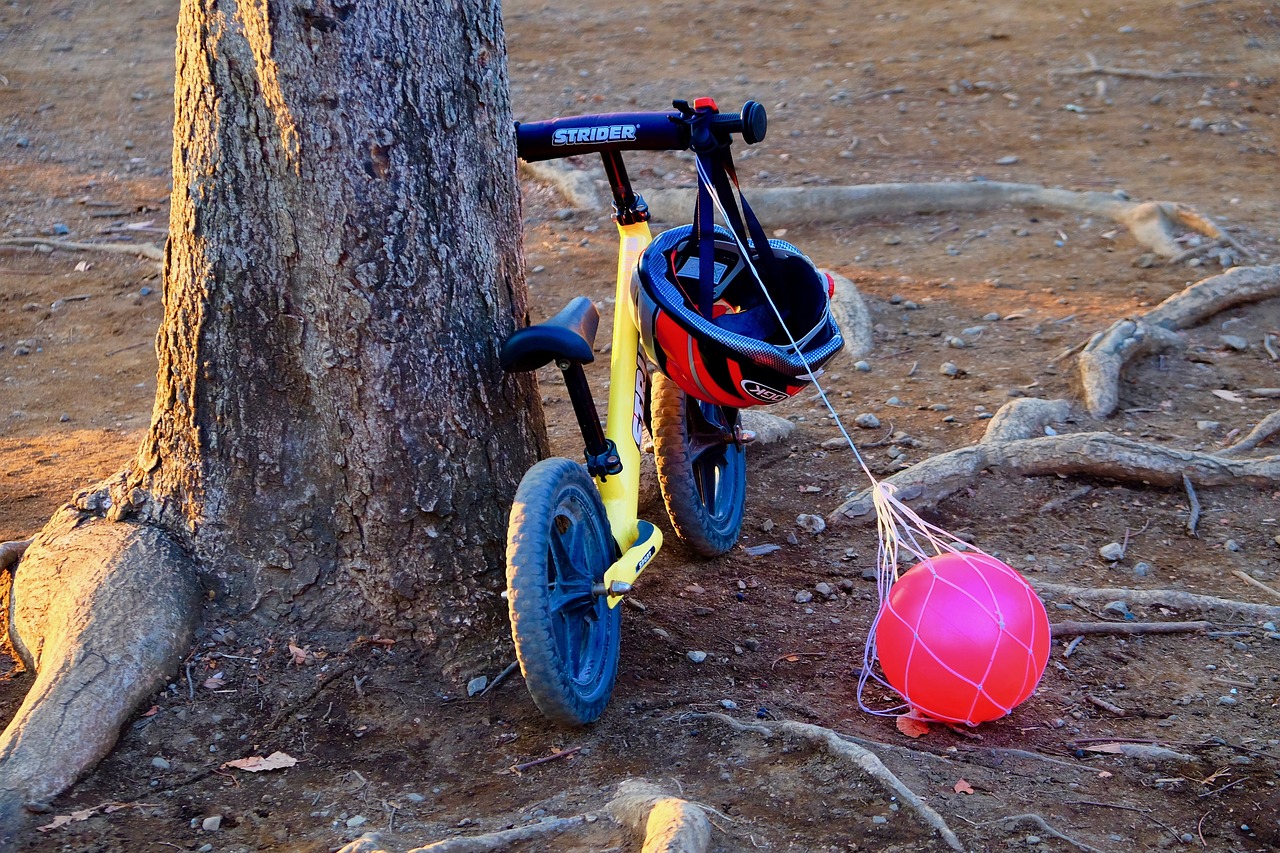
<point x="566" y="636"/>
<point x="702" y="475"/>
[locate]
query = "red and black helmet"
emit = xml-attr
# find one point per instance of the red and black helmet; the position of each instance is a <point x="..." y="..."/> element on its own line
<point x="742" y="356"/>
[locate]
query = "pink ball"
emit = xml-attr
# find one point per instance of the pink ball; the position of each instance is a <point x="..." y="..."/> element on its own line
<point x="963" y="637"/>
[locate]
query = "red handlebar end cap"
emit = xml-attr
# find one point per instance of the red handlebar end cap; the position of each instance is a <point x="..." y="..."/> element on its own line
<point x="699" y="103"/>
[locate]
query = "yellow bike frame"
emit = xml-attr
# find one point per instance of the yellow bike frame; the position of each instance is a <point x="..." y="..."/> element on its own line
<point x="638" y="540"/>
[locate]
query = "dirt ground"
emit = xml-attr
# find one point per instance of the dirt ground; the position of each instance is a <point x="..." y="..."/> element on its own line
<point x="869" y="92"/>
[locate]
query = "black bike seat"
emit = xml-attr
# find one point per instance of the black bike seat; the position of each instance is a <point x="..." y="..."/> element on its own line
<point x="568" y="336"/>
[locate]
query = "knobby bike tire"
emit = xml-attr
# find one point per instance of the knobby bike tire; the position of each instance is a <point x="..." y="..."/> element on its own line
<point x="703" y="480"/>
<point x="566" y="638"/>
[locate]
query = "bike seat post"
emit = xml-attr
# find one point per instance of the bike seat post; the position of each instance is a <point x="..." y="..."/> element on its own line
<point x="602" y="453"/>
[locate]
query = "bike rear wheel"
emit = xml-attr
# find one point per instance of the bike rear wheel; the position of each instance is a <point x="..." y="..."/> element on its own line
<point x="702" y="475"/>
<point x="566" y="636"/>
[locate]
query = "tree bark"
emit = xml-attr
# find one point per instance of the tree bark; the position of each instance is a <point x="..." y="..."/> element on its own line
<point x="333" y="442"/>
<point x="333" y="438"/>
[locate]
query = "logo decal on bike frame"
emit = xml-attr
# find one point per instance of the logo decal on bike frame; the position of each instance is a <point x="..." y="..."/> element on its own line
<point x="587" y="135"/>
<point x="637" y="411"/>
<point x="762" y="393"/>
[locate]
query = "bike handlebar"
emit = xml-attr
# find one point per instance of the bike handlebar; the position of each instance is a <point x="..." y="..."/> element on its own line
<point x="658" y="131"/>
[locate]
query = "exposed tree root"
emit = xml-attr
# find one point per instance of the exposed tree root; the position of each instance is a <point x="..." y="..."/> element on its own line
<point x="863" y="758"/>
<point x="1044" y="827"/>
<point x="144" y="250"/>
<point x="576" y="186"/>
<point x="1106" y="353"/>
<point x="1140" y="73"/>
<point x="102" y="612"/>
<point x="853" y="318"/>
<point x="372" y="843"/>
<point x="1266" y="428"/>
<point x="670" y="824"/>
<point x="1091" y="454"/>
<point x="1073" y="629"/>
<point x="1154" y="224"/>
<point x="1174" y="599"/>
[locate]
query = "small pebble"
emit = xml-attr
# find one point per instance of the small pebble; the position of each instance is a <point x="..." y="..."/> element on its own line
<point x="867" y="421"/>
<point x="833" y="443"/>
<point x="145" y="291"/>
<point x="1112" y="551"/>
<point x="879" y="819"/>
<point x="1226" y="700"/>
<point x="814" y="524"/>
<point x="897" y="299"/>
<point x="1232" y="545"/>
<point x="803" y="597"/>
<point x="1120" y="608"/>
<point x="862" y="366"/>
<point x="212" y="823"/>
<point x="477" y="684"/>
<point x="949" y="369"/>
<point x="892" y="240"/>
<point x="1142" y="569"/>
<point x="751" y="644"/>
<point x="957" y="343"/>
<point x="1208" y="426"/>
<point x="991" y="317"/>
<point x="1033" y="839"/>
<point x="59" y="228"/>
<point x="1007" y="160"/>
<point x="358" y="820"/>
<point x="825" y="589"/>
<point x="415" y="798"/>
<point x="728" y="704"/>
<point x="1234" y="342"/>
<point x="893" y="401"/>
<point x="160" y="763"/>
<point x="1146" y="261"/>
<point x="696" y="657"/>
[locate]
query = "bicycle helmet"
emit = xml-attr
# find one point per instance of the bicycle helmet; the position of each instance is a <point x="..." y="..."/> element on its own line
<point x="742" y="356"/>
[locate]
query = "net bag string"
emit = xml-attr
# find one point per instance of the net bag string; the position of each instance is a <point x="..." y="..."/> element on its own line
<point x="899" y="529"/>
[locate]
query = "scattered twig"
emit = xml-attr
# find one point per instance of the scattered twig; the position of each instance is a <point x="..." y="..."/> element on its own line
<point x="499" y="678"/>
<point x="146" y="250"/>
<point x="1172" y="598"/>
<point x="863" y="758"/>
<point x="1106" y="706"/>
<point x="1072" y="646"/>
<point x="867" y="96"/>
<point x="1069" y="629"/>
<point x="1194" y="518"/>
<point x="1252" y="581"/>
<point x="126" y="349"/>
<point x="1059" y="502"/>
<point x="1146" y="812"/>
<point x="555" y="756"/>
<point x="1141" y="73"/>
<point x="935" y="235"/>
<point x="1269" y="344"/>
<point x="1044" y="827"/>
<point x="490" y="841"/>
<point x="790" y="655"/>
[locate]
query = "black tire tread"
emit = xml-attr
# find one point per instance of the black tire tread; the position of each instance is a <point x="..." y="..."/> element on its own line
<point x="671" y="456"/>
<point x="527" y="543"/>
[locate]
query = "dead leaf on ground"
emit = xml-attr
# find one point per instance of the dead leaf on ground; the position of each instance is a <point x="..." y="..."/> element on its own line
<point x="298" y="655"/>
<point x="962" y="787"/>
<point x="214" y="681"/>
<point x="256" y="763"/>
<point x="85" y="814"/>
<point x="912" y="726"/>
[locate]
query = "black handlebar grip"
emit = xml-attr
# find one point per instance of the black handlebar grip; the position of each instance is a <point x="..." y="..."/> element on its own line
<point x="752" y="122"/>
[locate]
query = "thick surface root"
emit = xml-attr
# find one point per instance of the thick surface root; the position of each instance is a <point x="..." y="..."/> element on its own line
<point x="1106" y="354"/>
<point x="1222" y="608"/>
<point x="1154" y="224"/>
<point x="853" y="318"/>
<point x="103" y="612"/>
<point x="1089" y="454"/>
<point x="861" y="757"/>
<point x="670" y="824"/>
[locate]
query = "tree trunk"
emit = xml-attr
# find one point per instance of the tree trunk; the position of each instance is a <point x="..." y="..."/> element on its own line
<point x="333" y="437"/>
<point x="333" y="441"/>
